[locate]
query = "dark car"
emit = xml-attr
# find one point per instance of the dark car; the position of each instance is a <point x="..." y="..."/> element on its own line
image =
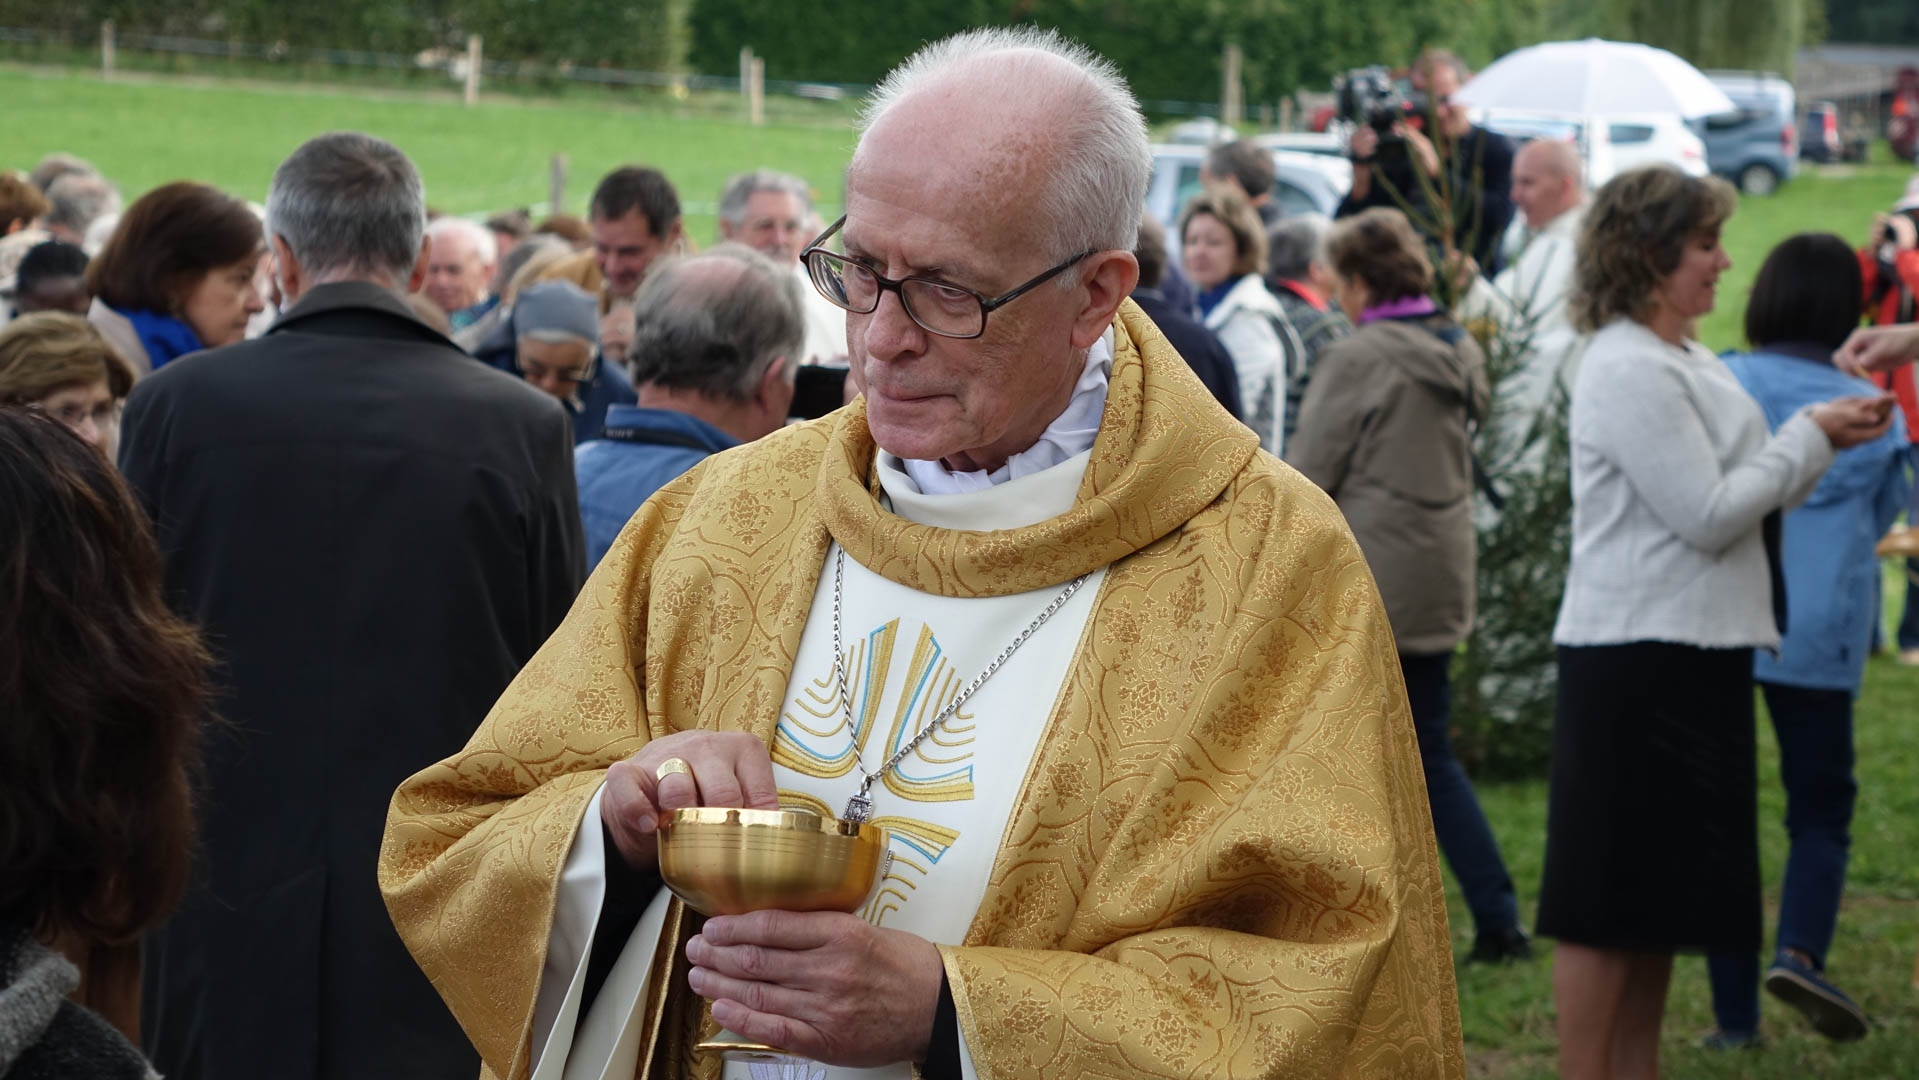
<point x="1819" y="134"/>
<point x="1756" y="145"/>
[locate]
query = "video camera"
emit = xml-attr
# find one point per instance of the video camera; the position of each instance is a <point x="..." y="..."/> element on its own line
<point x="1372" y="96"/>
<point x="1886" y="235"/>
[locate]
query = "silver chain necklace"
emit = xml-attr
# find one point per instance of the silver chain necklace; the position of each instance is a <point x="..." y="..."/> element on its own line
<point x="859" y="808"/>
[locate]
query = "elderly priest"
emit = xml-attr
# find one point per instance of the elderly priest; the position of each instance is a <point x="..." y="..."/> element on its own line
<point x="1117" y="683"/>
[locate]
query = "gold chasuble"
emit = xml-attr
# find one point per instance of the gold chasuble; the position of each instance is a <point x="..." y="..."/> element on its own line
<point x="1220" y="862"/>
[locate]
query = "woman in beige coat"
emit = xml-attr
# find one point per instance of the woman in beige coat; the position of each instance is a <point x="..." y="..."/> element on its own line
<point x="1385" y="429"/>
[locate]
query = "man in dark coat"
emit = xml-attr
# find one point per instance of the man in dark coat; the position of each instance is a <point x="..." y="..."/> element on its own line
<point x="375" y="533"/>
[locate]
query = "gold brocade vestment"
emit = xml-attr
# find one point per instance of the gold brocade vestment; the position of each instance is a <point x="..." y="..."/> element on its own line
<point x="1222" y="863"/>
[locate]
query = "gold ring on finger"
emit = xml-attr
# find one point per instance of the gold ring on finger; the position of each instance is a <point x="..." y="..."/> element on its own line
<point x="669" y="767"/>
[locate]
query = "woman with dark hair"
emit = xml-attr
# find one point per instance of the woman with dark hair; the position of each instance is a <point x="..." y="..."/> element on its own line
<point x="177" y="275"/>
<point x="1804" y="305"/>
<point x="104" y="688"/>
<point x="60" y="364"/>
<point x="1385" y="429"/>
<point x="1652" y="843"/>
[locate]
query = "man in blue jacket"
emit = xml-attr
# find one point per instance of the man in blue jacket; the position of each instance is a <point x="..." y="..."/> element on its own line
<point x="716" y="345"/>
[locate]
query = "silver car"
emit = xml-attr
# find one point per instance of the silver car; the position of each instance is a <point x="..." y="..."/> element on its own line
<point x="1306" y="182"/>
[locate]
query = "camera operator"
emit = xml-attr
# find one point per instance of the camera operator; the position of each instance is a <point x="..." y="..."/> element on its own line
<point x="1479" y="163"/>
<point x="1889" y="265"/>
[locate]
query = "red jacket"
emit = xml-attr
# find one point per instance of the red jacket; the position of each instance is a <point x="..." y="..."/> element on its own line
<point x="1900" y="382"/>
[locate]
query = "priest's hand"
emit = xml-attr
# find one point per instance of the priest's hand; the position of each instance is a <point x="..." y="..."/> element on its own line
<point x="724" y="768"/>
<point x="826" y="986"/>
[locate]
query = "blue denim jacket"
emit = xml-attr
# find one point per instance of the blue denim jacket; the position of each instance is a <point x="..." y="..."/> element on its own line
<point x="642" y="451"/>
<point x="1831" y="573"/>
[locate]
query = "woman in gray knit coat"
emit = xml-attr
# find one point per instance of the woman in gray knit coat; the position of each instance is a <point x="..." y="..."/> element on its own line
<point x="1652" y="834"/>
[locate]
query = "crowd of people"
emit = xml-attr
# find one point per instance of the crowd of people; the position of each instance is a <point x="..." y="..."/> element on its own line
<point x="373" y="583"/>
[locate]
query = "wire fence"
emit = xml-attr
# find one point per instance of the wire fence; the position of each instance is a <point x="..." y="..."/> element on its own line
<point x="455" y="67"/>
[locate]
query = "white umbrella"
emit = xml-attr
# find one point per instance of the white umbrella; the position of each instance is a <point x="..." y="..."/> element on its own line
<point x="1594" y="78"/>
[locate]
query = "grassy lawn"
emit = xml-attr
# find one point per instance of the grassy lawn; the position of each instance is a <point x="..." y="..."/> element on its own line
<point x="143" y="132"/>
<point x="1508" y="1011"/>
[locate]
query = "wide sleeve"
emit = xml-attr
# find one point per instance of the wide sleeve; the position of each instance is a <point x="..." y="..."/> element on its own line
<point x="474" y="845"/>
<point x="1265" y="899"/>
<point x="1334" y="414"/>
<point x="1638" y="415"/>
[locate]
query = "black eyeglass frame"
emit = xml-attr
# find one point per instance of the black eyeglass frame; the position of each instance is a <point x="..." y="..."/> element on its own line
<point x="987" y="304"/>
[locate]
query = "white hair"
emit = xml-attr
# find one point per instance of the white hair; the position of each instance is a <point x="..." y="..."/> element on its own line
<point x="741" y="188"/>
<point x="1101" y="161"/>
<point x="476" y="234"/>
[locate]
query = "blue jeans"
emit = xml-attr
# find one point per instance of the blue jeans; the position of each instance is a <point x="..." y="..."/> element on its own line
<point x="1464" y="837"/>
<point x="1814" y="728"/>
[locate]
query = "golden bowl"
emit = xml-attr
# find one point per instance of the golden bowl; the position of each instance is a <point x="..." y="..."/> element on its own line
<point x="729" y="862"/>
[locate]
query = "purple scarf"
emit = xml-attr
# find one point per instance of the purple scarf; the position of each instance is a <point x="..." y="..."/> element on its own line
<point x="1406" y="307"/>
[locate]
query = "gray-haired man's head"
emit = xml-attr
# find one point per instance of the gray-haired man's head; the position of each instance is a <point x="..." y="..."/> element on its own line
<point x="716" y="323"/>
<point x="79" y="199"/>
<point x="1292" y="246"/>
<point x="348" y="206"/>
<point x="54" y="166"/>
<point x="767" y="211"/>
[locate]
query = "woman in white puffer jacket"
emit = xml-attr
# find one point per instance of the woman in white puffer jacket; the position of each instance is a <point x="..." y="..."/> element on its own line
<point x="1224" y="250"/>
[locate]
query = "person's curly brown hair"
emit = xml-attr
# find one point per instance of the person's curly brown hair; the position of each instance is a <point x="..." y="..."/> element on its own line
<point x="1634" y="235"/>
<point x="105" y="689"/>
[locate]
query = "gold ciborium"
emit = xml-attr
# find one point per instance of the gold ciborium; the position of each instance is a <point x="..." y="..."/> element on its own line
<point x="729" y="862"/>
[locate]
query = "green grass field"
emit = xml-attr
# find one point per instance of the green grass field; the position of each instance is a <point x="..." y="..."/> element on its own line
<point x="144" y="131"/>
<point x="1508" y="1011"/>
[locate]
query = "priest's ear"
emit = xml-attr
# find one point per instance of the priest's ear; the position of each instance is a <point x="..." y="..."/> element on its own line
<point x="1106" y="280"/>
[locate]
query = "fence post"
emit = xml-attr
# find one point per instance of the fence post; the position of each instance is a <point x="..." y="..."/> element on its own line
<point x="556" y="185"/>
<point x="106" y="49"/>
<point x="473" y="70"/>
<point x="756" y="100"/>
<point x="1232" y="107"/>
<point x="1286" y="114"/>
<point x="746" y="70"/>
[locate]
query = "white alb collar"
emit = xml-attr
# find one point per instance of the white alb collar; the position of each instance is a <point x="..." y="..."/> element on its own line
<point x="1069" y="435"/>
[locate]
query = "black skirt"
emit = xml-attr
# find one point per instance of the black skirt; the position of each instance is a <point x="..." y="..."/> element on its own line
<point x="1652" y="826"/>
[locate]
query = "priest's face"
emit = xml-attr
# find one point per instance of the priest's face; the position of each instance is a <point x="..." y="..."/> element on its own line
<point x="940" y="189"/>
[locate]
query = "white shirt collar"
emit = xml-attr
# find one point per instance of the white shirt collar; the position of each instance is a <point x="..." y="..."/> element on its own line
<point x="1069" y="435"/>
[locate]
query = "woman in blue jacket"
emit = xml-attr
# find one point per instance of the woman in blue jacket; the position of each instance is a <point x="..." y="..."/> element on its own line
<point x="1804" y="303"/>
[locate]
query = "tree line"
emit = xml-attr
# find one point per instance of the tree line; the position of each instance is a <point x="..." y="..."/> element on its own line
<point x="1170" y="49"/>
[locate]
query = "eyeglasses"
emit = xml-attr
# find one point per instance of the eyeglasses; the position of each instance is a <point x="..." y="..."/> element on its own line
<point x="939" y="307"/>
<point x="533" y="369"/>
